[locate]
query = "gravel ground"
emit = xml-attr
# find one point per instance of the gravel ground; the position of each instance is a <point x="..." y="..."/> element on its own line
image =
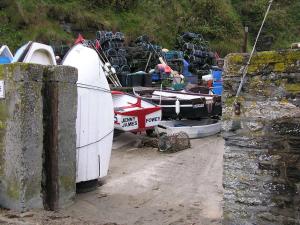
<point x="146" y="187"/>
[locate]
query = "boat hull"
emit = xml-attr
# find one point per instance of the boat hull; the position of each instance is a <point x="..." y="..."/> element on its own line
<point x="95" y="123"/>
<point x="191" y="106"/>
<point x="134" y="114"/>
<point x="194" y="129"/>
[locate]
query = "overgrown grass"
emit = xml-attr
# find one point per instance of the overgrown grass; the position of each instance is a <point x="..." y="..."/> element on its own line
<point x="220" y="21"/>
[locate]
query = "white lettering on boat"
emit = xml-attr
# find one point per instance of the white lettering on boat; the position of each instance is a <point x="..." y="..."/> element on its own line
<point x="198" y="106"/>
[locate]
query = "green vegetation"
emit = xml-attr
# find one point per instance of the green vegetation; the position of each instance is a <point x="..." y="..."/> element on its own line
<point x="220" y="21"/>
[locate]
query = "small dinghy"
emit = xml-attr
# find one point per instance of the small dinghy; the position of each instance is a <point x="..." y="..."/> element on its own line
<point x="193" y="128"/>
<point x="181" y="105"/>
<point x="134" y="114"/>
<point x="6" y="56"/>
<point x="95" y="114"/>
<point x="34" y="52"/>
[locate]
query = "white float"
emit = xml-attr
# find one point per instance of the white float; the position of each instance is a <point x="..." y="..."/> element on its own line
<point x="95" y="114"/>
<point x="5" y="55"/>
<point x="34" y="52"/>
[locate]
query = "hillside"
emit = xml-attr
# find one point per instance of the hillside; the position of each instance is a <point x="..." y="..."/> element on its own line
<point x="220" y="21"/>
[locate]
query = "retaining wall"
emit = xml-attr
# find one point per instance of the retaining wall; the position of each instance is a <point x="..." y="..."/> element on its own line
<point x="262" y="144"/>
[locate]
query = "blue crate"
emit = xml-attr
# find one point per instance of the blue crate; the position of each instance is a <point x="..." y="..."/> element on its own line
<point x="155" y="77"/>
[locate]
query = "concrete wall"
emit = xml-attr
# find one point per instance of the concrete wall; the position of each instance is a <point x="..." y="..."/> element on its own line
<point x="23" y="146"/>
<point x="262" y="144"/>
<point x="21" y="137"/>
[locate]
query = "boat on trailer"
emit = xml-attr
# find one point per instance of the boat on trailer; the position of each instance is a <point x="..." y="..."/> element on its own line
<point x="134" y="114"/>
<point x="95" y="115"/>
<point x="6" y="56"/>
<point x="175" y="104"/>
<point x="34" y="52"/>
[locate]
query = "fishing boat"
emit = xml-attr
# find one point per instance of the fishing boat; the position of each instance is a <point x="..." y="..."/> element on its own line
<point x="95" y="114"/>
<point x="134" y="114"/>
<point x="5" y="55"/>
<point x="176" y="104"/>
<point x="193" y="128"/>
<point x="34" y="52"/>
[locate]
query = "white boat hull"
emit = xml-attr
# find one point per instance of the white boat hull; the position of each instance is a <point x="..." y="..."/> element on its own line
<point x="95" y="116"/>
<point x="193" y="128"/>
<point x="34" y="52"/>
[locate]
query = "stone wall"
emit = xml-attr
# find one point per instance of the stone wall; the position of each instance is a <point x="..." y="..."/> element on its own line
<point x="24" y="129"/>
<point x="262" y="144"/>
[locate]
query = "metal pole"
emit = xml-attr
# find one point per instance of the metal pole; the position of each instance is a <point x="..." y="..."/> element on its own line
<point x="252" y="52"/>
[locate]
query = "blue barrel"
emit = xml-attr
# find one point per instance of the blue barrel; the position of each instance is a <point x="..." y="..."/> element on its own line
<point x="217" y="75"/>
<point x="217" y="84"/>
<point x="218" y="90"/>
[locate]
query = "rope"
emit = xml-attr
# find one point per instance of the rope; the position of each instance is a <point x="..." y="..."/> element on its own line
<point x="95" y="141"/>
<point x="252" y="53"/>
<point x="114" y="79"/>
<point x="92" y="87"/>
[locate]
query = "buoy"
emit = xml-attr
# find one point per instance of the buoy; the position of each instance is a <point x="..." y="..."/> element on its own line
<point x="177" y="108"/>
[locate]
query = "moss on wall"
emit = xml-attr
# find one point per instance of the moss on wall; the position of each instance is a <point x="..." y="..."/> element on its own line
<point x="282" y="61"/>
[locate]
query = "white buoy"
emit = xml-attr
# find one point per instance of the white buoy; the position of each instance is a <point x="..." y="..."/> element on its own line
<point x="177" y="108"/>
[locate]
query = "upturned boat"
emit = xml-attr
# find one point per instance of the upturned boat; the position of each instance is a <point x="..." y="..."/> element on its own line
<point x="5" y="55"/>
<point x="133" y="113"/>
<point x="95" y="115"/>
<point x="34" y="52"/>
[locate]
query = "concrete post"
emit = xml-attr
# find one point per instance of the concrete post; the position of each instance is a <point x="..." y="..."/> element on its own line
<point x="60" y="111"/>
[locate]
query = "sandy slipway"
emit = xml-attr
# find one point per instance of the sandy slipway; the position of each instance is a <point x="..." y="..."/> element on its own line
<point x="145" y="187"/>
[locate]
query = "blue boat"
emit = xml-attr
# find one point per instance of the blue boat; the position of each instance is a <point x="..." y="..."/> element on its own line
<point x="6" y="56"/>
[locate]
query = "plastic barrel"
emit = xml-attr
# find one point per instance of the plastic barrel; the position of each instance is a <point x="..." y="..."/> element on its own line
<point x="218" y="90"/>
<point x="217" y="75"/>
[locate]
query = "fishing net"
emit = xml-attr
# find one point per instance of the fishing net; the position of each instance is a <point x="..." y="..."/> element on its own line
<point x="167" y="143"/>
<point x="174" y="142"/>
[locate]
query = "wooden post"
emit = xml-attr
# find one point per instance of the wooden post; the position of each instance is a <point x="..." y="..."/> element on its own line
<point x="244" y="49"/>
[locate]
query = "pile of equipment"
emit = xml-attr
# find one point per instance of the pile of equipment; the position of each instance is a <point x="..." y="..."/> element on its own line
<point x="196" y="51"/>
<point x="112" y="45"/>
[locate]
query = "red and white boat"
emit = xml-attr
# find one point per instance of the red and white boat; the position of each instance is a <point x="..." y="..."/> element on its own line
<point x="133" y="113"/>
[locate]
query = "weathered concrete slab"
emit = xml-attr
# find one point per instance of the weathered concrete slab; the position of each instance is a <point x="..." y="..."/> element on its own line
<point x="21" y="139"/>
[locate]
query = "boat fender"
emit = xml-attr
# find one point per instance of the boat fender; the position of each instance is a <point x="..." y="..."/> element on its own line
<point x="113" y="70"/>
<point x="106" y="69"/>
<point x="177" y="107"/>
